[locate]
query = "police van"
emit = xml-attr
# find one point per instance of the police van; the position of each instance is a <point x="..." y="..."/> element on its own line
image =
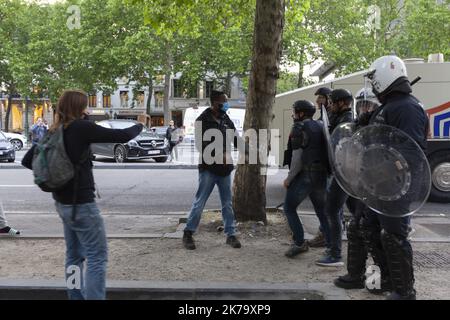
<point x="433" y="90"/>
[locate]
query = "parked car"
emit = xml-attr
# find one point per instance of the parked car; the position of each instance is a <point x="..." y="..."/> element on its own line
<point x="147" y="145"/>
<point x="7" y="151"/>
<point x="17" y="140"/>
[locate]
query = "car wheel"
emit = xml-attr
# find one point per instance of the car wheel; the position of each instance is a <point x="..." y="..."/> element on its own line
<point x="161" y="159"/>
<point x="440" y="177"/>
<point x="11" y="160"/>
<point x="18" y="145"/>
<point x="120" y="154"/>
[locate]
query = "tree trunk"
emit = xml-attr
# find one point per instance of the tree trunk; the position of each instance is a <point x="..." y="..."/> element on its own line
<point x="167" y="79"/>
<point x="8" y="111"/>
<point x="228" y="84"/>
<point x="150" y="94"/>
<point x="300" y="81"/>
<point x="249" y="198"/>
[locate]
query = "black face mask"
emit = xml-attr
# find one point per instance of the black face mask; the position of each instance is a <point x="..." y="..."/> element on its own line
<point x="85" y="116"/>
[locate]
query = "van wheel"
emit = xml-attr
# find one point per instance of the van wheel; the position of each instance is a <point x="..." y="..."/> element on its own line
<point x="120" y="154"/>
<point x="440" y="177"/>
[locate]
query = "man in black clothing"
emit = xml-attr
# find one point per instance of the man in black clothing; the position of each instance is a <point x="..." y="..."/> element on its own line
<point x="214" y="168"/>
<point x="169" y="132"/>
<point x="308" y="173"/>
<point x="336" y="197"/>
<point x="386" y="235"/>
<point x="323" y="99"/>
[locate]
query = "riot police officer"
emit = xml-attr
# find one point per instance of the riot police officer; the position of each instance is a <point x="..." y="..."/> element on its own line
<point x="366" y="103"/>
<point x="341" y="112"/>
<point x="323" y="99"/>
<point x="388" y="234"/>
<point x="308" y="173"/>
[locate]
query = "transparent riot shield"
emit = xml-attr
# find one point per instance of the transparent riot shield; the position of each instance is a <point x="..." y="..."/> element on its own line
<point x="347" y="156"/>
<point x="387" y="170"/>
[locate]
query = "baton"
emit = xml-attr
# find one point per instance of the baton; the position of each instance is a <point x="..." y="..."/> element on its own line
<point x="416" y="80"/>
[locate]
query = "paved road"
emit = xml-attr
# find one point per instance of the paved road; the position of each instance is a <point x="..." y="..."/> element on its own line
<point x="132" y="191"/>
<point x="138" y="191"/>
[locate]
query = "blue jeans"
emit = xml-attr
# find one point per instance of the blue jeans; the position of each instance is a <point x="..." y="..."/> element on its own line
<point x="312" y="184"/>
<point x="336" y="198"/>
<point x="85" y="240"/>
<point x="206" y="183"/>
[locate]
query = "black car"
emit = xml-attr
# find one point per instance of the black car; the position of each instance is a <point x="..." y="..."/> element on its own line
<point x="7" y="151"/>
<point x="146" y="145"/>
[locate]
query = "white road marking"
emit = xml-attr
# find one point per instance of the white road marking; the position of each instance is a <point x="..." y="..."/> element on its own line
<point x="17" y="185"/>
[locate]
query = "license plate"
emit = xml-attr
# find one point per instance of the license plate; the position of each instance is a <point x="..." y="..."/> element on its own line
<point x="153" y="152"/>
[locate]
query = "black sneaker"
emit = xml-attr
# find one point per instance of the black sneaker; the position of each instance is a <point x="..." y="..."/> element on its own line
<point x="295" y="250"/>
<point x="350" y="282"/>
<point x="234" y="242"/>
<point x="188" y="240"/>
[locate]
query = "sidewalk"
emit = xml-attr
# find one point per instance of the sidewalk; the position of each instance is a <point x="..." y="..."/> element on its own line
<point x="147" y="254"/>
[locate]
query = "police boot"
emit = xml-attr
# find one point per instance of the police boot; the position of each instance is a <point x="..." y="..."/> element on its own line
<point x="356" y="260"/>
<point x="375" y="248"/>
<point x="400" y="261"/>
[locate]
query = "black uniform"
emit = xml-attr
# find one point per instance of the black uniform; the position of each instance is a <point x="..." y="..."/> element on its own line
<point x="307" y="175"/>
<point x="336" y="197"/>
<point x="387" y="236"/>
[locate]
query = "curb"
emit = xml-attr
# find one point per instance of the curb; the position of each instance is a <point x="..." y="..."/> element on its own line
<point x="177" y="290"/>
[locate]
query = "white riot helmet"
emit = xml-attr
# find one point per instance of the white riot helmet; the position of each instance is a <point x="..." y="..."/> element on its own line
<point x="384" y="72"/>
<point x="366" y="101"/>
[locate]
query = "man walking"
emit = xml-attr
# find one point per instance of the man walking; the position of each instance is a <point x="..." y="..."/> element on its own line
<point x="336" y="197"/>
<point x="212" y="172"/>
<point x="307" y="175"/>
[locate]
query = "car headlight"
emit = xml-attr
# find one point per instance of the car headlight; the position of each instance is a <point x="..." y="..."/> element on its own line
<point x="166" y="142"/>
<point x="132" y="143"/>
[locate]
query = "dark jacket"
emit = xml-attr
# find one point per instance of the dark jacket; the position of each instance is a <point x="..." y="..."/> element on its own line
<point x="77" y="138"/>
<point x="336" y="119"/>
<point x="403" y="111"/>
<point x="224" y="123"/>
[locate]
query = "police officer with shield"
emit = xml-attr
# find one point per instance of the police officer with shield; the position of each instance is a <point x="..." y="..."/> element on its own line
<point x="387" y="234"/>
<point x="341" y="112"/>
<point x="308" y="173"/>
<point x="357" y="252"/>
